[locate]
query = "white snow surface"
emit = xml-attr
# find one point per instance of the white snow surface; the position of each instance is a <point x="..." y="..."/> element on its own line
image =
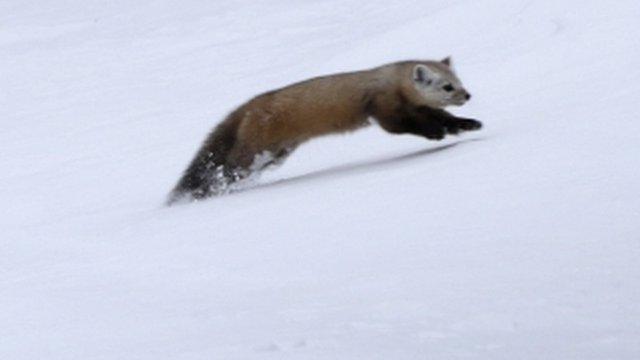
<point x="521" y="241"/>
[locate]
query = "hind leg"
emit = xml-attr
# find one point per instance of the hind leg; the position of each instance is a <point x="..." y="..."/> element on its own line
<point x="276" y="157"/>
<point x="247" y="168"/>
<point x="245" y="164"/>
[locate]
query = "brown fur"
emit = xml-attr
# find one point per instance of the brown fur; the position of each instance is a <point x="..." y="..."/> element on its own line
<point x="278" y="121"/>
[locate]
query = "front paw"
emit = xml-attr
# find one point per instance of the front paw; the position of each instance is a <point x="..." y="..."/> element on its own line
<point x="434" y="132"/>
<point x="469" y="124"/>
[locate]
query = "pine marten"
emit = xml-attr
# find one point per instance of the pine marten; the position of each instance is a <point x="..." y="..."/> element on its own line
<point x="406" y="97"/>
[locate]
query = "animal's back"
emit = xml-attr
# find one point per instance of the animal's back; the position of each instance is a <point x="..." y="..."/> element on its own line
<point x="307" y="109"/>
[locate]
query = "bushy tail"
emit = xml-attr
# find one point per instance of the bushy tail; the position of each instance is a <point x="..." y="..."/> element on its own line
<point x="208" y="173"/>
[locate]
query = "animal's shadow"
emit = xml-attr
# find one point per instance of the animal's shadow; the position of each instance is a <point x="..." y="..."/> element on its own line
<point x="356" y="167"/>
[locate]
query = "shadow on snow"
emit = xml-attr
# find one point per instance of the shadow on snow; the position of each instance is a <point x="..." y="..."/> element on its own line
<point x="356" y="167"/>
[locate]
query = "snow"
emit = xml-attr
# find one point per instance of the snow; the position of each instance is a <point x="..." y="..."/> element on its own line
<point x="517" y="242"/>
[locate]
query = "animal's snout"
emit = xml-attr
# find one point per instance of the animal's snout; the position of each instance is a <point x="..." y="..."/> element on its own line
<point x="467" y="96"/>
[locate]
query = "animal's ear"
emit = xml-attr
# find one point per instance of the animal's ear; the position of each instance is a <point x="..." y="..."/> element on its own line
<point x="447" y="61"/>
<point x="422" y="74"/>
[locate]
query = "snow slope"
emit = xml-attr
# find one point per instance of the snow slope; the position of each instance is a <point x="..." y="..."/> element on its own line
<point x="518" y="242"/>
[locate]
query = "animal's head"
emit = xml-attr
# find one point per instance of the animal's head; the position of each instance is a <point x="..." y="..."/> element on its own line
<point x="438" y="85"/>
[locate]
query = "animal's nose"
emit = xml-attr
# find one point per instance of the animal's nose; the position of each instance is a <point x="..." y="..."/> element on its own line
<point x="467" y="96"/>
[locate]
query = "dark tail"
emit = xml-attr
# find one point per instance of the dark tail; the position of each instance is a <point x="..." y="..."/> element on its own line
<point x="208" y="173"/>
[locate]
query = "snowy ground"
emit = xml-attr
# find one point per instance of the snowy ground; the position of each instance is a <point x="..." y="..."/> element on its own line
<point x="518" y="242"/>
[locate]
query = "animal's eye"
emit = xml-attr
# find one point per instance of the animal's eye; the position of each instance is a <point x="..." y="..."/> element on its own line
<point x="448" y="88"/>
